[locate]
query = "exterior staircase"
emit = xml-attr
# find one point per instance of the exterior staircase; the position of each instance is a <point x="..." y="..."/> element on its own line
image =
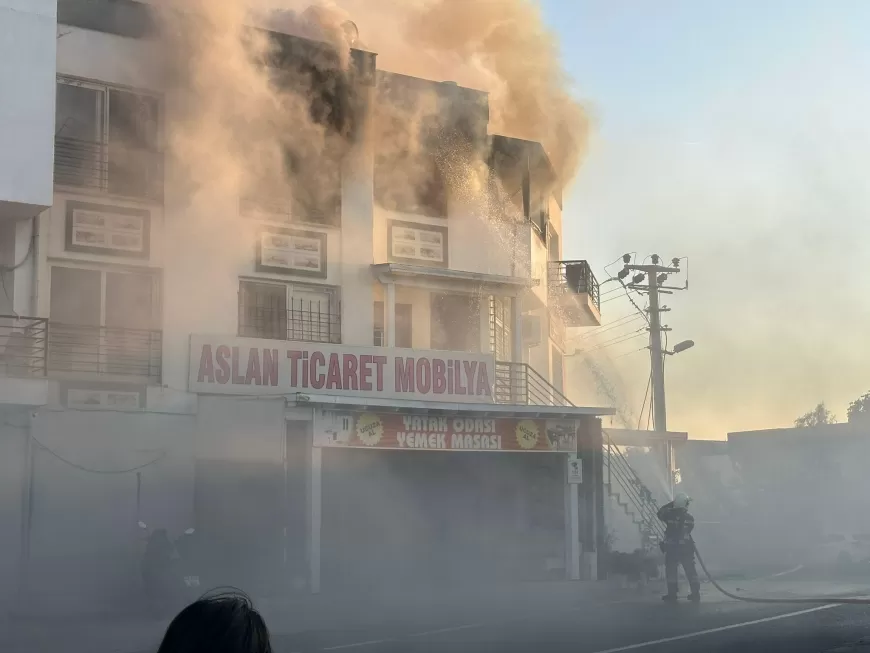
<point x="519" y="383"/>
<point x="624" y="485"/>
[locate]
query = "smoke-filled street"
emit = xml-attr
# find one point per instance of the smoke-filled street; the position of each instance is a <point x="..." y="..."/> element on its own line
<point x="623" y="620"/>
<point x="612" y="627"/>
<point x="551" y="618"/>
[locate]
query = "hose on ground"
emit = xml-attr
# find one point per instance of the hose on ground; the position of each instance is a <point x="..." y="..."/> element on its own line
<point x="847" y="600"/>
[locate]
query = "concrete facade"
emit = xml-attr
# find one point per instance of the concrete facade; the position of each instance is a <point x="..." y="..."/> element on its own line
<point x="100" y="426"/>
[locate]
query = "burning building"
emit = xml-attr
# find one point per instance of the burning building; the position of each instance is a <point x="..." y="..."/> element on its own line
<point x="256" y="285"/>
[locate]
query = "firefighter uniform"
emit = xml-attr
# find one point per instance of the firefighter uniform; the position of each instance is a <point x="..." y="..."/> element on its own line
<point x="678" y="547"/>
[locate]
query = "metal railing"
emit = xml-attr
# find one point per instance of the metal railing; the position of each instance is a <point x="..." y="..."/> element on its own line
<point x="23" y="351"/>
<point x="113" y="168"/>
<point x="96" y="350"/>
<point x="574" y="277"/>
<point x="640" y="504"/>
<point x="305" y="321"/>
<point x="521" y="384"/>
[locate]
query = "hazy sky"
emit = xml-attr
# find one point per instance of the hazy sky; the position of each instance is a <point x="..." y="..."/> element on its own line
<point x="736" y="133"/>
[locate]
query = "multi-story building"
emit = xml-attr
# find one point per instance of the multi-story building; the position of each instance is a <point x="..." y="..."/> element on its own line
<point x="371" y="392"/>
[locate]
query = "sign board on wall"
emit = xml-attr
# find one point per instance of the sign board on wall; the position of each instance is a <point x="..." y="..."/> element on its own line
<point x="442" y="433"/>
<point x="244" y="366"/>
<point x="575" y="471"/>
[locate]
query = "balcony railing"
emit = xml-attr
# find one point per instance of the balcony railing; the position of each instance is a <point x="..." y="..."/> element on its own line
<point x="520" y="384"/>
<point x="105" y="351"/>
<point x="574" y="277"/>
<point x="112" y="168"/>
<point x="23" y="351"/>
<point x="574" y="293"/>
<point x="305" y="321"/>
<point x="31" y="347"/>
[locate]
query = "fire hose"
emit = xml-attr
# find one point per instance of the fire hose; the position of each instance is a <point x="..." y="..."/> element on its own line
<point x="846" y="600"/>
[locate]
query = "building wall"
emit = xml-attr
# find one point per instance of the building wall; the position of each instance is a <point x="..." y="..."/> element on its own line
<point x="7" y="259"/>
<point x="87" y="499"/>
<point x="13" y="471"/>
<point x="243" y="502"/>
<point x="95" y="473"/>
<point x="98" y="56"/>
<point x="27" y="71"/>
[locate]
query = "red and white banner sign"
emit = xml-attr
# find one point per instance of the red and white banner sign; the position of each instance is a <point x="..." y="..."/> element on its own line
<point x="430" y="432"/>
<point x="243" y="366"/>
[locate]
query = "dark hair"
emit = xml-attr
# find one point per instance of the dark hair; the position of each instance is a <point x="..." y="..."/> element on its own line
<point x="224" y="622"/>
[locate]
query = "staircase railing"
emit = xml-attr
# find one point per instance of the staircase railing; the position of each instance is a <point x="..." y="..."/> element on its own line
<point x="641" y="506"/>
<point x="519" y="383"/>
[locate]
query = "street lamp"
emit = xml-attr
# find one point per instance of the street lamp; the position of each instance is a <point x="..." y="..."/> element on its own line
<point x="681" y="346"/>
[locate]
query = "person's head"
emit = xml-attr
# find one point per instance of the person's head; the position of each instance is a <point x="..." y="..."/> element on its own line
<point x="681" y="500"/>
<point x="218" y="623"/>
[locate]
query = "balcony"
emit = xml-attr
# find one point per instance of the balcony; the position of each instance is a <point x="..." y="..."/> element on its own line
<point x="519" y="384"/>
<point x="113" y="169"/>
<point x="23" y="353"/>
<point x="35" y="348"/>
<point x="574" y="293"/>
<point x="303" y="321"/>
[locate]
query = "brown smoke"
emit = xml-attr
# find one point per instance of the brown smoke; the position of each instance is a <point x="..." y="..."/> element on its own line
<point x="238" y="122"/>
<point x="499" y="46"/>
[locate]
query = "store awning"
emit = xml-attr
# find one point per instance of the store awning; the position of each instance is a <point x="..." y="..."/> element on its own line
<point x="337" y="402"/>
<point x="398" y="272"/>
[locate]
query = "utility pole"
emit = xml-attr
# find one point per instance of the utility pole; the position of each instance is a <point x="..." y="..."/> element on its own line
<point x="656" y="276"/>
<point x="656" y="351"/>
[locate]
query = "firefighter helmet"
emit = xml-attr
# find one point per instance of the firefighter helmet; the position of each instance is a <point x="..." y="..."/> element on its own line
<point x="681" y="500"/>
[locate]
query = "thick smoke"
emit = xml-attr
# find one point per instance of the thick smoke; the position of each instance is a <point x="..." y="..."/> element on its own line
<point x="238" y="124"/>
<point x="500" y="46"/>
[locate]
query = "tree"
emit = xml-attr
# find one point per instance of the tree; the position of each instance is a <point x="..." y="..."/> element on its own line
<point x="816" y="417"/>
<point x="859" y="410"/>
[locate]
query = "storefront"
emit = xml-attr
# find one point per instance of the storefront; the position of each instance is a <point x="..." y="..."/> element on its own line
<point x="399" y="468"/>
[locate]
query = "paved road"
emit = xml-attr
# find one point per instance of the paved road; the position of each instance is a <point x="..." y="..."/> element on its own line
<point x="627" y="625"/>
<point x="534" y="619"/>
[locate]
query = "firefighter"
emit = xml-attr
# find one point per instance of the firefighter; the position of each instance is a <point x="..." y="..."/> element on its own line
<point x="678" y="547"/>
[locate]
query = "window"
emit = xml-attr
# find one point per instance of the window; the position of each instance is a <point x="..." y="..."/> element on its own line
<point x="553" y="245"/>
<point x="283" y="188"/>
<point x="403" y="325"/>
<point x="278" y="311"/>
<point x="500" y="332"/>
<point x="539" y="216"/>
<point x="104" y="321"/>
<point x="455" y="323"/>
<point x="408" y="169"/>
<point x="410" y="184"/>
<point x="108" y="140"/>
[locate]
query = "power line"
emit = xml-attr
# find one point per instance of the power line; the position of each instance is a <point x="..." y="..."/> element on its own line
<point x="643" y="405"/>
<point x="99" y="471"/>
<point x="604" y="301"/>
<point x="616" y="337"/>
<point x="610" y="292"/>
<point x="615" y="342"/>
<point x="629" y="353"/>
<point x="618" y="323"/>
<point x="633" y="303"/>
